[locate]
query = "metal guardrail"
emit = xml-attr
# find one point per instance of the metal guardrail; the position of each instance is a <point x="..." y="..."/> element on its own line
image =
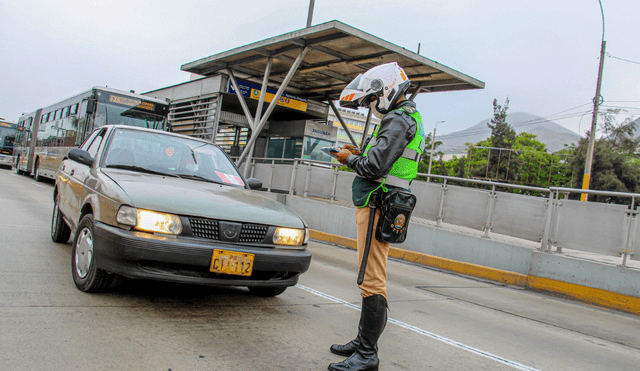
<point x="556" y="229"/>
<point x="629" y="227"/>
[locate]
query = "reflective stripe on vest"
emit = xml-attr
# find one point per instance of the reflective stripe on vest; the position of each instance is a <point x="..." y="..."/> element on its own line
<point x="395" y="181"/>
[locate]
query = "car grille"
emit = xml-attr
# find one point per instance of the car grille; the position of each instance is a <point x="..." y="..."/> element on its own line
<point x="253" y="233"/>
<point x="210" y="229"/>
<point x="205" y="228"/>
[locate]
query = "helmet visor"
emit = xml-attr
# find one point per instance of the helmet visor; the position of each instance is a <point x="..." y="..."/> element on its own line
<point x="365" y="85"/>
<point x="359" y="91"/>
<point x="354" y="85"/>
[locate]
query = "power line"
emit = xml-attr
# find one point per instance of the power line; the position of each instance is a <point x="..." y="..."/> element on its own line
<point x="624" y="60"/>
<point x="524" y="123"/>
<point x="552" y="117"/>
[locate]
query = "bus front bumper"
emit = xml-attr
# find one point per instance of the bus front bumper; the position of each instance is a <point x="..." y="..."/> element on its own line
<point x="6" y="160"/>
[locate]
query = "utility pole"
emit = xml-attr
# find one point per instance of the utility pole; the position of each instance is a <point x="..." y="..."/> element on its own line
<point x="586" y="180"/>
<point x="433" y="145"/>
<point x="310" y="15"/>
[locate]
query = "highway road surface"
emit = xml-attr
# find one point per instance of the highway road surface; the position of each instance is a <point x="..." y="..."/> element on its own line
<point x="437" y="320"/>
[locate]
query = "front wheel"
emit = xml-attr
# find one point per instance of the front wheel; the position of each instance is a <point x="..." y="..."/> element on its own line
<point x="86" y="275"/>
<point x="60" y="231"/>
<point x="267" y="292"/>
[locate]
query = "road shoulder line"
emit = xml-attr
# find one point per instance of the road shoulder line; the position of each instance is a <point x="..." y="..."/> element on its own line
<point x="585" y="294"/>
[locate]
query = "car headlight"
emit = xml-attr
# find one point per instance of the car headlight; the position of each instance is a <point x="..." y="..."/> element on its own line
<point x="289" y="236"/>
<point x="149" y="221"/>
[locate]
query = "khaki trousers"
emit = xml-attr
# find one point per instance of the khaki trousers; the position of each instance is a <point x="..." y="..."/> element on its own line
<point x="375" y="277"/>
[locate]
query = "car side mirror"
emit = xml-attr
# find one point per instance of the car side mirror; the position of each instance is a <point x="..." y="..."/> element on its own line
<point x="81" y="156"/>
<point x="254" y="183"/>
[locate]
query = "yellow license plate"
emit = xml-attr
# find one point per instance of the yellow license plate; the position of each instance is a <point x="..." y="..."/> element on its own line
<point x="231" y="262"/>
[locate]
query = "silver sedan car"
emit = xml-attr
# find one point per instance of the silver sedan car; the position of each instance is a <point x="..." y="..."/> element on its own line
<point x="156" y="205"/>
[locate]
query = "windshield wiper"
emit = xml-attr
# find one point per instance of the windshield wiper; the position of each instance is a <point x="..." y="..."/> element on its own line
<point x="198" y="177"/>
<point x="140" y="169"/>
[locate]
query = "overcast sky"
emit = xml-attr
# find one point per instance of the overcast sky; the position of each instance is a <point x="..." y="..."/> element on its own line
<point x="542" y="54"/>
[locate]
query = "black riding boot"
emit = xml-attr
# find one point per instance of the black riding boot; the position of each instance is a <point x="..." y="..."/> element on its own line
<point x="373" y="320"/>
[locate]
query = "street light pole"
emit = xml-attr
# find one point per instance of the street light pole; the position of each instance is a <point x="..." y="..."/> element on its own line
<point x="310" y="15"/>
<point x="586" y="180"/>
<point x="433" y="145"/>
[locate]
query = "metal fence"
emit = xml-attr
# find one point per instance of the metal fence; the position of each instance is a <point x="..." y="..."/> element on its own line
<point x="551" y="219"/>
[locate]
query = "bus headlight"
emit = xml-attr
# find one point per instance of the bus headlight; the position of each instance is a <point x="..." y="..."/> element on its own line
<point x="289" y="236"/>
<point x="149" y="221"/>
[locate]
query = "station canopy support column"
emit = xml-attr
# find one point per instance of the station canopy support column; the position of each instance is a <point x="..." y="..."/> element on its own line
<point x="344" y="125"/>
<point x="366" y="130"/>
<point x="257" y="128"/>
<point x="321" y="61"/>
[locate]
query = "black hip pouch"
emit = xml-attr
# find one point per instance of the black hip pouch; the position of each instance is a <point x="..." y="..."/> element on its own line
<point x="395" y="211"/>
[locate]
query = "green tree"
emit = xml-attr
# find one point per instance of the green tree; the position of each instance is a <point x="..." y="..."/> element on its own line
<point x="616" y="163"/>
<point x="620" y="135"/>
<point x="612" y="170"/>
<point x="526" y="163"/>
<point x="502" y="136"/>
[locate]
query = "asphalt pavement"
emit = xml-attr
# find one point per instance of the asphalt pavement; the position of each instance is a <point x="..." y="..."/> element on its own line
<point x="437" y="320"/>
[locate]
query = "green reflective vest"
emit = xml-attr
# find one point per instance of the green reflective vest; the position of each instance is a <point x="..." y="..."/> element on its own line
<point x="405" y="169"/>
<point x="402" y="172"/>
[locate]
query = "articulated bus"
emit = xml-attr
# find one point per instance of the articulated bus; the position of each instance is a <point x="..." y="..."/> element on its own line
<point x="45" y="136"/>
<point x="7" y="136"/>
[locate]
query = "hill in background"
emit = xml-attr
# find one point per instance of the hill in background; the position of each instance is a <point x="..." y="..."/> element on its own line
<point x="548" y="132"/>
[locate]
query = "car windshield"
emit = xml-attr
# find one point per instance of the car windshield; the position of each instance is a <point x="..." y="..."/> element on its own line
<point x="165" y="154"/>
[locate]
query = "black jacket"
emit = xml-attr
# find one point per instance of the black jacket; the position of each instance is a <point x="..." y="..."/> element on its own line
<point x="397" y="130"/>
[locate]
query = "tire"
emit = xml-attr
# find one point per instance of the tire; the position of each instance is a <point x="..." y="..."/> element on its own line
<point x="267" y="292"/>
<point x="36" y="172"/>
<point x="86" y="275"/>
<point x="60" y="231"/>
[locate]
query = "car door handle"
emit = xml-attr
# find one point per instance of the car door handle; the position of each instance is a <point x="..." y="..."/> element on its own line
<point x="72" y="171"/>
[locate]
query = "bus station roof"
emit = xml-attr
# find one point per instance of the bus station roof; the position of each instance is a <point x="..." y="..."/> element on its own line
<point x="336" y="54"/>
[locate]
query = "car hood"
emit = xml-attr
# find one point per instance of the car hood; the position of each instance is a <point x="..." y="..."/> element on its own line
<point x="203" y="199"/>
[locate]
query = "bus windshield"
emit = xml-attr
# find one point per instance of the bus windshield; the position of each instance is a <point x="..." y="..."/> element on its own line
<point x="7" y="136"/>
<point x="115" y="109"/>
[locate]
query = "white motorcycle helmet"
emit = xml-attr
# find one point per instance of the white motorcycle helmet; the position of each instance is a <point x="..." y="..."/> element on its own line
<point x="387" y="82"/>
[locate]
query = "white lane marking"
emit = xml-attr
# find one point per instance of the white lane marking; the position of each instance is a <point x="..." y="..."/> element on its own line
<point x="38" y="185"/>
<point x="420" y="331"/>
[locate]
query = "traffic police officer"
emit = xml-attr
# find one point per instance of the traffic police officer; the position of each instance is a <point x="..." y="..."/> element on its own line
<point x="390" y="160"/>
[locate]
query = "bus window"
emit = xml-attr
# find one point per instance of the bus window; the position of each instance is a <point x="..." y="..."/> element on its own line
<point x="67" y="131"/>
<point x="19" y="132"/>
